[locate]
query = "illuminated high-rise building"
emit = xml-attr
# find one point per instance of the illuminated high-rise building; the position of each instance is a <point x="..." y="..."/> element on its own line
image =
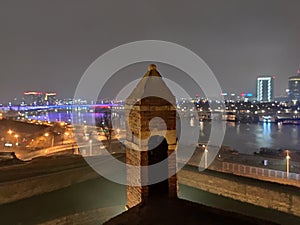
<point x="265" y="88"/>
<point x="294" y="87"/>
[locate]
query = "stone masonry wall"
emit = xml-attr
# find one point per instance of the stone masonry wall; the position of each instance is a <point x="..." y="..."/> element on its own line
<point x="266" y="194"/>
<point x="25" y="188"/>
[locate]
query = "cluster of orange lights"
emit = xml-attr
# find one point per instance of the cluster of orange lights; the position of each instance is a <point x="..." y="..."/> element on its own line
<point x="32" y="93"/>
<point x="39" y="93"/>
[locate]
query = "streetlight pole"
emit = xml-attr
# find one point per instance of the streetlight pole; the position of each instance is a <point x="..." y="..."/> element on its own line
<point x="52" y="141"/>
<point x="287" y="164"/>
<point x="17" y="138"/>
<point x="91" y="141"/>
<point x="205" y="158"/>
<point x="9" y="132"/>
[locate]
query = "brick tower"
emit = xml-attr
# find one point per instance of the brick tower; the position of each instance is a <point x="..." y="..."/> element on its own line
<point x="150" y="138"/>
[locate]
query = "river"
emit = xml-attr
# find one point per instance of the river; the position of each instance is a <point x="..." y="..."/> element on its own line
<point x="246" y="138"/>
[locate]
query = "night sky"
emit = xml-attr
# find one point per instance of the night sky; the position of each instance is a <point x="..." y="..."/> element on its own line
<point x="46" y="45"/>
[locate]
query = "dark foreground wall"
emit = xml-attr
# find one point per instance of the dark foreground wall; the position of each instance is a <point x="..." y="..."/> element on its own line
<point x="11" y="191"/>
<point x="266" y="194"/>
<point x="90" y="217"/>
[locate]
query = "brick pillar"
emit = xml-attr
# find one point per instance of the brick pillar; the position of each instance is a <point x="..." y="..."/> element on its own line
<point x="139" y="112"/>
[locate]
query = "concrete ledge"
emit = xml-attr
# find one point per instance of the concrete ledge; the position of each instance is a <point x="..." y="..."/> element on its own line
<point x="260" y="193"/>
<point x="90" y="217"/>
<point x="11" y="191"/>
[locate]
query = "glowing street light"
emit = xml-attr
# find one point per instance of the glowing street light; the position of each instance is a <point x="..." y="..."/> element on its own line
<point x="287" y="164"/>
<point x="52" y="139"/>
<point x="17" y="137"/>
<point x="63" y="137"/>
<point x="67" y="134"/>
<point x="205" y="158"/>
<point x="10" y="132"/>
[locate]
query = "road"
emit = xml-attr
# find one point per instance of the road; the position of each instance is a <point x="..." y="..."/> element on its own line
<point x="84" y="148"/>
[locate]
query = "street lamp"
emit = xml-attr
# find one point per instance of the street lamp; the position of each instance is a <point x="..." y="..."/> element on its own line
<point x="17" y="137"/>
<point x="91" y="142"/>
<point x="205" y="158"/>
<point x="63" y="137"/>
<point x="287" y="164"/>
<point x="52" y="139"/>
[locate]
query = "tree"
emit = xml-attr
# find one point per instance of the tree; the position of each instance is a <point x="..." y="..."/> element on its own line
<point x="105" y="124"/>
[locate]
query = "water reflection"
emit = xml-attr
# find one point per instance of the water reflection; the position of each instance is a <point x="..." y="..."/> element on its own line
<point x="201" y="126"/>
<point x="231" y="124"/>
<point x="238" y="129"/>
<point x="192" y="122"/>
<point x="265" y="140"/>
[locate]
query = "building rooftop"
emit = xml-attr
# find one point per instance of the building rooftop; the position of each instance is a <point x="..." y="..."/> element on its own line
<point x="295" y="77"/>
<point x="151" y="85"/>
<point x="173" y="211"/>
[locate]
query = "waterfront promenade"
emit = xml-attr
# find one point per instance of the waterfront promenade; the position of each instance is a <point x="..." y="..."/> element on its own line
<point x="262" y="167"/>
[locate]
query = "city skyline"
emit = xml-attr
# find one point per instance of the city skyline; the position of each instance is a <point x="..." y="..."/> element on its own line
<point x="249" y="95"/>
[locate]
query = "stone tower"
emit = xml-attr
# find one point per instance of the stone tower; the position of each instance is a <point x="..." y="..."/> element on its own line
<point x="150" y="138"/>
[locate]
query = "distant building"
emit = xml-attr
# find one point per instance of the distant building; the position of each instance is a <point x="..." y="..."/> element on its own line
<point x="265" y="89"/>
<point x="294" y="87"/>
<point x="38" y="98"/>
<point x="246" y="96"/>
<point x="50" y="98"/>
<point x="33" y="98"/>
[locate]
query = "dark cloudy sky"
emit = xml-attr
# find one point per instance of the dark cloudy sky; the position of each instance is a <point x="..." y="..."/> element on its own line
<point x="47" y="45"/>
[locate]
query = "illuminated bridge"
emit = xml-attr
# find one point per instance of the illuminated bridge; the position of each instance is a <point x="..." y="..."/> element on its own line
<point x="33" y="108"/>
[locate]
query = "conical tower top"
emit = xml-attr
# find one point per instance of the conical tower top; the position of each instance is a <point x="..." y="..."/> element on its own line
<point x="152" y="71"/>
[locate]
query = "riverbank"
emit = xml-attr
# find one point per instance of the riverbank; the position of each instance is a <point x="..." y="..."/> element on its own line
<point x="23" y="137"/>
<point x="261" y="167"/>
